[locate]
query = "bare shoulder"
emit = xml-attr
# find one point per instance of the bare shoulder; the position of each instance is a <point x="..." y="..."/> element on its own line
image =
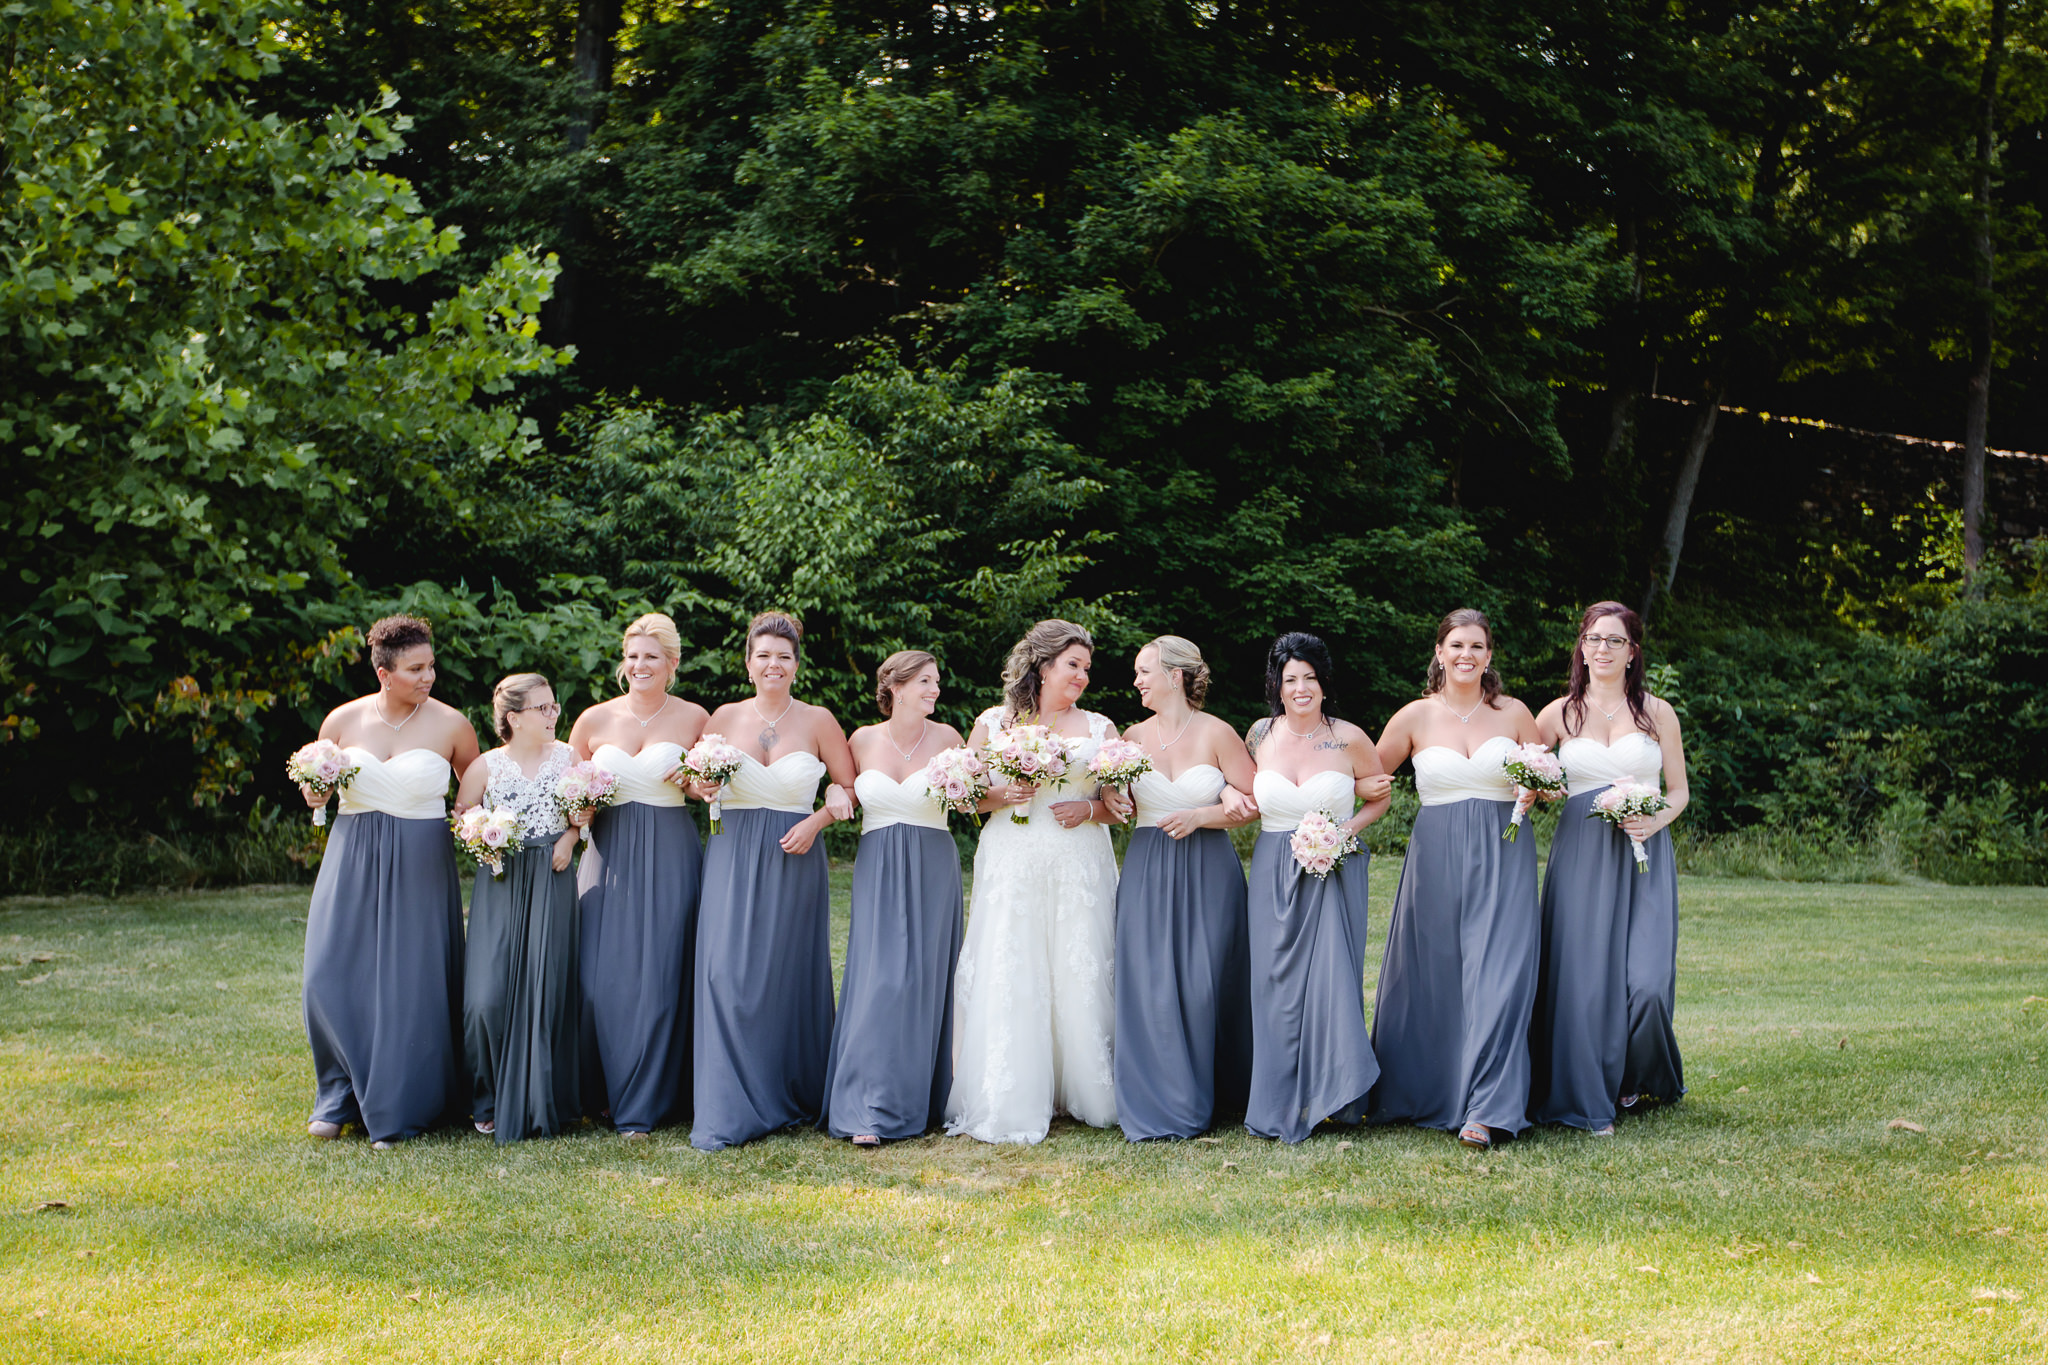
<point x="692" y="712"/>
<point x="1256" y="734"/>
<point x="1551" y="712"/>
<point x="1344" y="733"/>
<point x="1513" y="706"/>
<point x="1662" y="711"/>
<point x="948" y="735"/>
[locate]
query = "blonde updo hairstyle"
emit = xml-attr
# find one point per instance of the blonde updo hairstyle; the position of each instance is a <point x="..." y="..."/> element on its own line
<point x="1176" y="652"/>
<point x="662" y="630"/>
<point x="896" y="670"/>
<point x="510" y="695"/>
<point x="1041" y="644"/>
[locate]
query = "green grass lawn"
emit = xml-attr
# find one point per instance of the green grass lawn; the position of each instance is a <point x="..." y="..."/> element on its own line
<point x="160" y="1200"/>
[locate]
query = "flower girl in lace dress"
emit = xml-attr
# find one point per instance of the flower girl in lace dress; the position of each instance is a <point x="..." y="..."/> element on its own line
<point x="521" y="1005"/>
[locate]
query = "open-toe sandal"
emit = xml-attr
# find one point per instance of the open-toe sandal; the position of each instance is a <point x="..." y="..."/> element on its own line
<point x="866" y="1140"/>
<point x="1476" y="1136"/>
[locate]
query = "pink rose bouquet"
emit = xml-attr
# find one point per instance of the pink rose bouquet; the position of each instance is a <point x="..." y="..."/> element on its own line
<point x="1531" y="767"/>
<point x="489" y="836"/>
<point x="710" y="759"/>
<point x="585" y="787"/>
<point x="1321" y="844"/>
<point x="1624" y="801"/>
<point x="957" y="779"/>
<point x="1028" y="753"/>
<point x="323" y="767"/>
<point x="1119" y="763"/>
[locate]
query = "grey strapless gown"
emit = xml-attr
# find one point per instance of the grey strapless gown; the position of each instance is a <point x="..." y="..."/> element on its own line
<point x="1451" y="1022"/>
<point x="1183" y="986"/>
<point x="1607" y="981"/>
<point x="522" y="1005"/>
<point x="891" y="1060"/>
<point x="1312" y="1057"/>
<point x="764" y="982"/>
<point x="383" y="977"/>
<point x="637" y="884"/>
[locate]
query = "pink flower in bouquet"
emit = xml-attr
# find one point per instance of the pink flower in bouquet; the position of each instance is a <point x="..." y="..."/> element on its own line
<point x="323" y="768"/>
<point x="1626" y="800"/>
<point x="585" y="787"/>
<point x="1119" y="763"/>
<point x="711" y="759"/>
<point x="1031" y="754"/>
<point x="957" y="779"/>
<point x="1320" y="844"/>
<point x="1531" y="767"/>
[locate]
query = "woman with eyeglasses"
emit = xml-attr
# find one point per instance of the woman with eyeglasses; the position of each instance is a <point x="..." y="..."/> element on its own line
<point x="522" y="1007"/>
<point x="637" y="885"/>
<point x="1601" y="1040"/>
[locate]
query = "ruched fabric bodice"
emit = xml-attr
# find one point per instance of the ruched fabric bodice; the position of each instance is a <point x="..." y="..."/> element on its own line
<point x="643" y="776"/>
<point x="790" y="783"/>
<point x="1443" y="775"/>
<point x="408" y="786"/>
<point x="1282" y="804"/>
<point x="884" y="801"/>
<point x="1590" y="765"/>
<point x="1157" y="795"/>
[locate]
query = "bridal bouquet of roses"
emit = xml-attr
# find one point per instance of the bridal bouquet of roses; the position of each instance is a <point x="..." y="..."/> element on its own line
<point x="489" y="835"/>
<point x="1119" y="763"/>
<point x="585" y="787"/>
<point x="1624" y="801"/>
<point x="323" y="767"/>
<point x="710" y="759"/>
<point x="1531" y="767"/>
<point x="1028" y="753"/>
<point x="957" y="779"/>
<point x="1320" y="844"/>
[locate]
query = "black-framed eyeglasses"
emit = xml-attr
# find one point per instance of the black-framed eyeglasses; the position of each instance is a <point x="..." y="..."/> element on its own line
<point x="1611" y="641"/>
<point x="546" y="708"/>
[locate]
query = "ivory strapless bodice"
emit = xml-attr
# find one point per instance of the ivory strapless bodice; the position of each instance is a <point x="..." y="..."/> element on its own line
<point x="790" y="783"/>
<point x="408" y="786"/>
<point x="1443" y="775"/>
<point x="884" y="801"/>
<point x="1157" y="795"/>
<point x="1282" y="804"/>
<point x="643" y="776"/>
<point x="1590" y="765"/>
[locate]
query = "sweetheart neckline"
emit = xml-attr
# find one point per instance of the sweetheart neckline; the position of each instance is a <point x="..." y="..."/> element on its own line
<point x="637" y="753"/>
<point x="1605" y="744"/>
<point x="1474" y="754"/>
<point x="1279" y="777"/>
<point x="1192" y="768"/>
<point x="359" y="749"/>
<point x="794" y="753"/>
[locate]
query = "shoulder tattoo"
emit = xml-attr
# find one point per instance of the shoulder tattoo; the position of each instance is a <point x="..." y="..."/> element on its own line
<point x="1257" y="734"/>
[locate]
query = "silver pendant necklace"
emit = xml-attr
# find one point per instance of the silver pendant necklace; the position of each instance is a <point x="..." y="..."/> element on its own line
<point x="1604" y="711"/>
<point x="769" y="734"/>
<point x="1321" y="721"/>
<point x="923" y="730"/>
<point x="1183" y="730"/>
<point x="379" y="705"/>
<point x="1465" y="719"/>
<point x="651" y="719"/>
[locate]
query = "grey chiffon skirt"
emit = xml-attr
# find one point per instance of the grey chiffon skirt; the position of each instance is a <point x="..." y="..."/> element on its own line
<point x="1183" y="986"/>
<point x="383" y="977"/>
<point x="891" y="1062"/>
<point x="637" y="885"/>
<point x="764" y="982"/>
<point x="1607" y="978"/>
<point x="1451" y="1019"/>
<point x="522" y="1006"/>
<point x="1312" y="1057"/>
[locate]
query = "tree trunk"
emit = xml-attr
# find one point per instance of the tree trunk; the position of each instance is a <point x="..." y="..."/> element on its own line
<point x="1977" y="418"/>
<point x="597" y="29"/>
<point x="1625" y="358"/>
<point x="1666" y="569"/>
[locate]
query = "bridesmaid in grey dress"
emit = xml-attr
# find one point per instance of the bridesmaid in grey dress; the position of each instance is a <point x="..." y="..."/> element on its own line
<point x="637" y="888"/>
<point x="1602" y="1040"/>
<point x="892" y="1044"/>
<point x="383" y="973"/>
<point x="764" y="952"/>
<point x="1451" y="1026"/>
<point x="1312" y="1059"/>
<point x="1183" y="986"/>
<point x="522" y="1005"/>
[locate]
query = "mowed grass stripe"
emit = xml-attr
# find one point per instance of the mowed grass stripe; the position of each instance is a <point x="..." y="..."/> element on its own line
<point x="156" y="1082"/>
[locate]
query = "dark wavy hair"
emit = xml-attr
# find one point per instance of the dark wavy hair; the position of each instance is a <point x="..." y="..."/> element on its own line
<point x="1489" y="680"/>
<point x="1041" y="644"/>
<point x="394" y="635"/>
<point x="1308" y="649"/>
<point x="1631" y="680"/>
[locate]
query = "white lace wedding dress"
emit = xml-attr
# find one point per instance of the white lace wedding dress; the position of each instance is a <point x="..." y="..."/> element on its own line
<point x="1034" y="1002"/>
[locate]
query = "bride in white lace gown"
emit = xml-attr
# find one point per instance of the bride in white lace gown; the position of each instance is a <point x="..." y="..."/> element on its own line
<point x="1034" y="994"/>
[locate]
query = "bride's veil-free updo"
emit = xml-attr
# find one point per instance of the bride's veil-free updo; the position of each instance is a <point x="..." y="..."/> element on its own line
<point x="1041" y="644"/>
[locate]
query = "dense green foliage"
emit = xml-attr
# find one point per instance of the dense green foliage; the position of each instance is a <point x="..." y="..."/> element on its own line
<point x="1217" y="319"/>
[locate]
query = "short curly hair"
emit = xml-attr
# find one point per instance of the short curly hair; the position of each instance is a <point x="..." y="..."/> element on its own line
<point x="394" y="635"/>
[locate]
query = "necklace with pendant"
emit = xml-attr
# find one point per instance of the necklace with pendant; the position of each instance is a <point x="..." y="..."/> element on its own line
<point x="653" y="718"/>
<point x="1321" y="721"/>
<point x="769" y="734"/>
<point x="1465" y="719"/>
<point x="1604" y="711"/>
<point x="923" y="730"/>
<point x="379" y="705"/>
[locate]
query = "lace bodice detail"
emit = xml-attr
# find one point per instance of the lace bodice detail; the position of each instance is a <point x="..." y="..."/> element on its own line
<point x="790" y="783"/>
<point x="408" y="786"/>
<point x="884" y="801"/>
<point x="1282" y="804"/>
<point x="1078" y="782"/>
<point x="1443" y="775"/>
<point x="1157" y="794"/>
<point x="643" y="777"/>
<point x="532" y="799"/>
<point x="1590" y="765"/>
